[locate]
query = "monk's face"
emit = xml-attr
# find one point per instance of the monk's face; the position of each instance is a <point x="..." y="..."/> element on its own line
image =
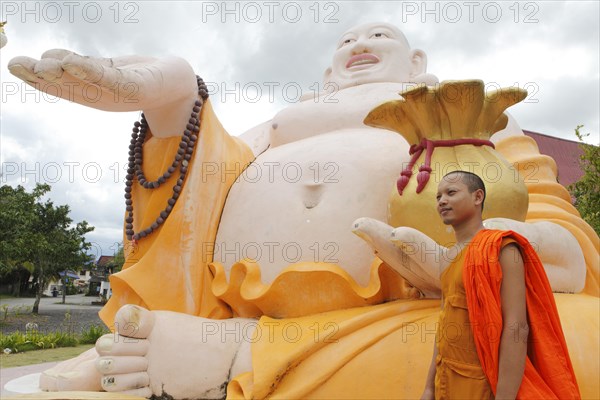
<point x="375" y="52"/>
<point x="455" y="203"/>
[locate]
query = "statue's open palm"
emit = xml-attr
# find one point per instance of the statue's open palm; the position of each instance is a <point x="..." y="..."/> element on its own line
<point x="165" y="89"/>
<point x="127" y="83"/>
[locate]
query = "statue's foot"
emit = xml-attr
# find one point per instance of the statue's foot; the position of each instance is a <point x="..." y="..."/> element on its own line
<point x="78" y="373"/>
<point x="179" y="355"/>
<point x="86" y="371"/>
<point x="122" y="363"/>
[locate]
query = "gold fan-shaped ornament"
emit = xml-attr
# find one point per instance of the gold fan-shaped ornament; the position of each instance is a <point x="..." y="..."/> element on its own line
<point x="449" y="126"/>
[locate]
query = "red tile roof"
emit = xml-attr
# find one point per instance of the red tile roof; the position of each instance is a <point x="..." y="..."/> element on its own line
<point x="103" y="260"/>
<point x="565" y="152"/>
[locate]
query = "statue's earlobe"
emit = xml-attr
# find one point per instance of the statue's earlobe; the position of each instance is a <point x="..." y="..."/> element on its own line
<point x="327" y="75"/>
<point x="418" y="60"/>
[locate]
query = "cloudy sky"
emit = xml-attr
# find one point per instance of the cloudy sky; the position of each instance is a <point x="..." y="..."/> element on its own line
<point x="548" y="48"/>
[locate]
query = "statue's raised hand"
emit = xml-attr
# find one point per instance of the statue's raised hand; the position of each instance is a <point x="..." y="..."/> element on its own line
<point x="414" y="255"/>
<point x="164" y="88"/>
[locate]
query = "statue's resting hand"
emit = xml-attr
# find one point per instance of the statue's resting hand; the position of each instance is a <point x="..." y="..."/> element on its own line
<point x="558" y="250"/>
<point x="160" y="87"/>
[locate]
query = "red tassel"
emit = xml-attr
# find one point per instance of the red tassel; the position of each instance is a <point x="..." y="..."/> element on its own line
<point x="402" y="181"/>
<point x="414" y="148"/>
<point x="422" y="178"/>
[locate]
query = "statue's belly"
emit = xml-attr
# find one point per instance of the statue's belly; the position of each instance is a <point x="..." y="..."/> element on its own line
<point x="297" y="202"/>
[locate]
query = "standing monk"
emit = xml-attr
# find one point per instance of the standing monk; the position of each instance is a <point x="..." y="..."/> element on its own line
<point x="499" y="334"/>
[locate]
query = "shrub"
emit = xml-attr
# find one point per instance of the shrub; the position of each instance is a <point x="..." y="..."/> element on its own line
<point x="33" y="340"/>
<point x="92" y="334"/>
<point x="71" y="289"/>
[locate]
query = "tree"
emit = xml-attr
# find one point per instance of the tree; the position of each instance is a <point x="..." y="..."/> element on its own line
<point x="117" y="263"/>
<point x="16" y="222"/>
<point x="40" y="233"/>
<point x="587" y="190"/>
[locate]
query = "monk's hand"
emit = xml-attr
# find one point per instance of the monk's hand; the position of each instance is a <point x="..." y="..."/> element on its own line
<point x="411" y="253"/>
<point x="128" y="83"/>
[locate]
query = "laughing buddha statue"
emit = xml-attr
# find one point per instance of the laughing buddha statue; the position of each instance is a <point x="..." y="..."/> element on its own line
<point x="284" y="262"/>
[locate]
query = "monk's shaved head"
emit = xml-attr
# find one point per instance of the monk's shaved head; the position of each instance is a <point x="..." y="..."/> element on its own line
<point x="473" y="181"/>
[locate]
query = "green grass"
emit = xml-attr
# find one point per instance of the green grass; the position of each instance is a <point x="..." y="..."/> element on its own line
<point x="41" y="356"/>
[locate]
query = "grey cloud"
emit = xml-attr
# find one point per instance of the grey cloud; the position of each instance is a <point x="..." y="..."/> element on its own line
<point x="560" y="110"/>
<point x="90" y="185"/>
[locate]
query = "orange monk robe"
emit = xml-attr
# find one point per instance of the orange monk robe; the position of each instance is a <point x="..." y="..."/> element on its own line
<point x="548" y="369"/>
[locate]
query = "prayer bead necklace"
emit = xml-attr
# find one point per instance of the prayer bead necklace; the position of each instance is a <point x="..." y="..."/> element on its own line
<point x="181" y="161"/>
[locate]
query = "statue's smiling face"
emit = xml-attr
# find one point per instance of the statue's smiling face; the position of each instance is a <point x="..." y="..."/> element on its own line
<point x="368" y="53"/>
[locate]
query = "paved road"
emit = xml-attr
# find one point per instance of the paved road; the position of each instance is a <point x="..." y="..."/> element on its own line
<point x="50" y="302"/>
<point x="76" y="315"/>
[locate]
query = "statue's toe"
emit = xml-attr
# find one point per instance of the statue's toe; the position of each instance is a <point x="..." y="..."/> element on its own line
<point x="121" y="364"/>
<point x="125" y="382"/>
<point x="118" y="346"/>
<point x="134" y="321"/>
